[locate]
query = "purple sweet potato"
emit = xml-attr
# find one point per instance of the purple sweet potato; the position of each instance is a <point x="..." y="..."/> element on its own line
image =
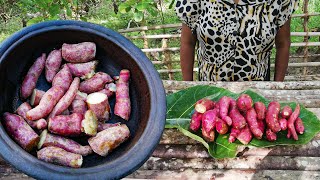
<point x="245" y="135"/>
<point x="38" y="124"/>
<point x="79" y="53"/>
<point x="81" y="96"/>
<point x="261" y="125"/>
<point x="122" y="107"/>
<point x="283" y="124"/>
<point x="60" y="156"/>
<point x="208" y="124"/>
<point x="95" y="83"/>
<point x="271" y="136"/>
<point x="298" y="124"/>
<point x="233" y="134"/>
<point x="244" y="102"/>
<point x="78" y="106"/>
<point x="238" y="121"/>
<point x="66" y="125"/>
<point x="99" y="104"/>
<point x="251" y="117"/>
<point x="63" y="78"/>
<point x="53" y="64"/>
<point x="108" y="139"/>
<point x="66" y="99"/>
<point x="196" y="120"/>
<point x="30" y="80"/>
<point x="291" y="122"/>
<point x="47" y="139"/>
<point x="272" y="116"/>
<point x="36" y="97"/>
<point x="260" y="110"/>
<point x="204" y="105"/>
<point x="103" y="126"/>
<point x="20" y="131"/>
<point x="47" y="103"/>
<point x="224" y="104"/>
<point x="221" y="126"/>
<point x="83" y="70"/>
<point x="286" y="112"/>
<point x="109" y="89"/>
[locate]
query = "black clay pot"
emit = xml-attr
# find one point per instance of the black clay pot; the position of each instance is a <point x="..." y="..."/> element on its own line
<point x="114" y="52"/>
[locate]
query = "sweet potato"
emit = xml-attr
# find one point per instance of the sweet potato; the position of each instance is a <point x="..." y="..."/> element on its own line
<point x="251" y="117"/>
<point x="260" y="110"/>
<point x="66" y="125"/>
<point x="204" y="105"/>
<point x="99" y="104"/>
<point x="233" y="134"/>
<point x="196" y="120"/>
<point x="272" y="116"/>
<point x="66" y="99"/>
<point x="261" y="125"/>
<point x="103" y="126"/>
<point x="89" y="123"/>
<point x="20" y="131"/>
<point x="107" y="140"/>
<point x="109" y="89"/>
<point x="78" y="106"/>
<point x="95" y="83"/>
<point x="47" y="103"/>
<point x="52" y="65"/>
<point x="245" y="135"/>
<point x="292" y="120"/>
<point x="298" y="124"/>
<point x="22" y="111"/>
<point x="30" y="80"/>
<point x="60" y="156"/>
<point x="36" y="97"/>
<point x="208" y="136"/>
<point x="63" y="78"/>
<point x="123" y="105"/>
<point x="271" y="136"/>
<point x="209" y="119"/>
<point x="83" y="70"/>
<point x="47" y="139"/>
<point x="283" y="124"/>
<point x="221" y="126"/>
<point x="244" y="102"/>
<point x="224" y="104"/>
<point x="81" y="96"/>
<point x="238" y="121"/>
<point x="79" y="53"/>
<point x="286" y="112"/>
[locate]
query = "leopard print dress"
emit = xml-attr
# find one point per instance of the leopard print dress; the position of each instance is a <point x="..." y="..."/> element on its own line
<point x="235" y="40"/>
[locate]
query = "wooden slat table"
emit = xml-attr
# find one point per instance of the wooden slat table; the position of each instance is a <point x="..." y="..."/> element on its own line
<point x="179" y="157"/>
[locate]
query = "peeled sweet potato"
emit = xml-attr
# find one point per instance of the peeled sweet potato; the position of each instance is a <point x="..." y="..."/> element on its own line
<point x="60" y="156"/>
<point x="66" y="125"/>
<point x="30" y="80"/>
<point x="107" y="140"/>
<point x="79" y="53"/>
<point x="272" y="116"/>
<point x="99" y="104"/>
<point x="47" y="139"/>
<point x="20" y="131"/>
<point x="89" y="123"/>
<point x="52" y="65"/>
<point x="83" y="70"/>
<point x="95" y="83"/>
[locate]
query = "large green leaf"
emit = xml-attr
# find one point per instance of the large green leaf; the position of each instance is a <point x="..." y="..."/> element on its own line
<point x="180" y="106"/>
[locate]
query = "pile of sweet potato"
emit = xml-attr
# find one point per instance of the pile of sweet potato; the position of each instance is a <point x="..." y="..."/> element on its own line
<point x="77" y="104"/>
<point x="245" y="119"/>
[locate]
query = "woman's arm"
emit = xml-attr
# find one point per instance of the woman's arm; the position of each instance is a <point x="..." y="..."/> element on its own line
<point x="188" y="42"/>
<point x="282" y="51"/>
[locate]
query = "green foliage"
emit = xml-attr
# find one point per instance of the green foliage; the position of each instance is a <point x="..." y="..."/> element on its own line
<point x="139" y="8"/>
<point x="180" y="106"/>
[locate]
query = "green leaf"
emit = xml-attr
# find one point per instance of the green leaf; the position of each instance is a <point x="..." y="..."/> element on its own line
<point x="153" y="11"/>
<point x="181" y="104"/>
<point x="142" y="6"/>
<point x="124" y="8"/>
<point x="138" y="16"/>
<point x="54" y="10"/>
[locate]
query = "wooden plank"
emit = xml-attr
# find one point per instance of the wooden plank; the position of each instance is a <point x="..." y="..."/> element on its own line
<point x="225" y="174"/>
<point x="146" y="28"/>
<point x="305" y="33"/>
<point x="243" y="162"/>
<point x="156" y="36"/>
<point x="306" y="14"/>
<point x="173" y="49"/>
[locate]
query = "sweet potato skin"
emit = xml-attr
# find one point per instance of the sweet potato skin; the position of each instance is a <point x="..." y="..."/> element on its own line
<point x="245" y="135"/>
<point x="224" y="104"/>
<point x="66" y="99"/>
<point x="283" y="124"/>
<point x="204" y="105"/>
<point x="123" y="104"/>
<point x="96" y="83"/>
<point x="251" y="117"/>
<point x="260" y="110"/>
<point x="66" y="125"/>
<point x="60" y="156"/>
<point x="47" y="103"/>
<point x="30" y="80"/>
<point x="238" y="121"/>
<point x="221" y="126"/>
<point x="298" y="124"/>
<point x="271" y="136"/>
<point x="78" y="106"/>
<point x="83" y="70"/>
<point x="22" y="111"/>
<point x="63" y="78"/>
<point x="286" y="112"/>
<point x="52" y="65"/>
<point x="272" y="116"/>
<point x="244" y="102"/>
<point x="103" y="126"/>
<point x="233" y="134"/>
<point x="108" y="139"/>
<point x="20" y="131"/>
<point x="196" y="120"/>
<point x="291" y="122"/>
<point x="79" y="53"/>
<point x="64" y="143"/>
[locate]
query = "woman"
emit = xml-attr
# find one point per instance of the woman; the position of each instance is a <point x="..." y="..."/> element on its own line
<point x="235" y="38"/>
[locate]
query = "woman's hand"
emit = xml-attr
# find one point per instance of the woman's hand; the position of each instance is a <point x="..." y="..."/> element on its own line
<point x="187" y="49"/>
<point x="282" y="42"/>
